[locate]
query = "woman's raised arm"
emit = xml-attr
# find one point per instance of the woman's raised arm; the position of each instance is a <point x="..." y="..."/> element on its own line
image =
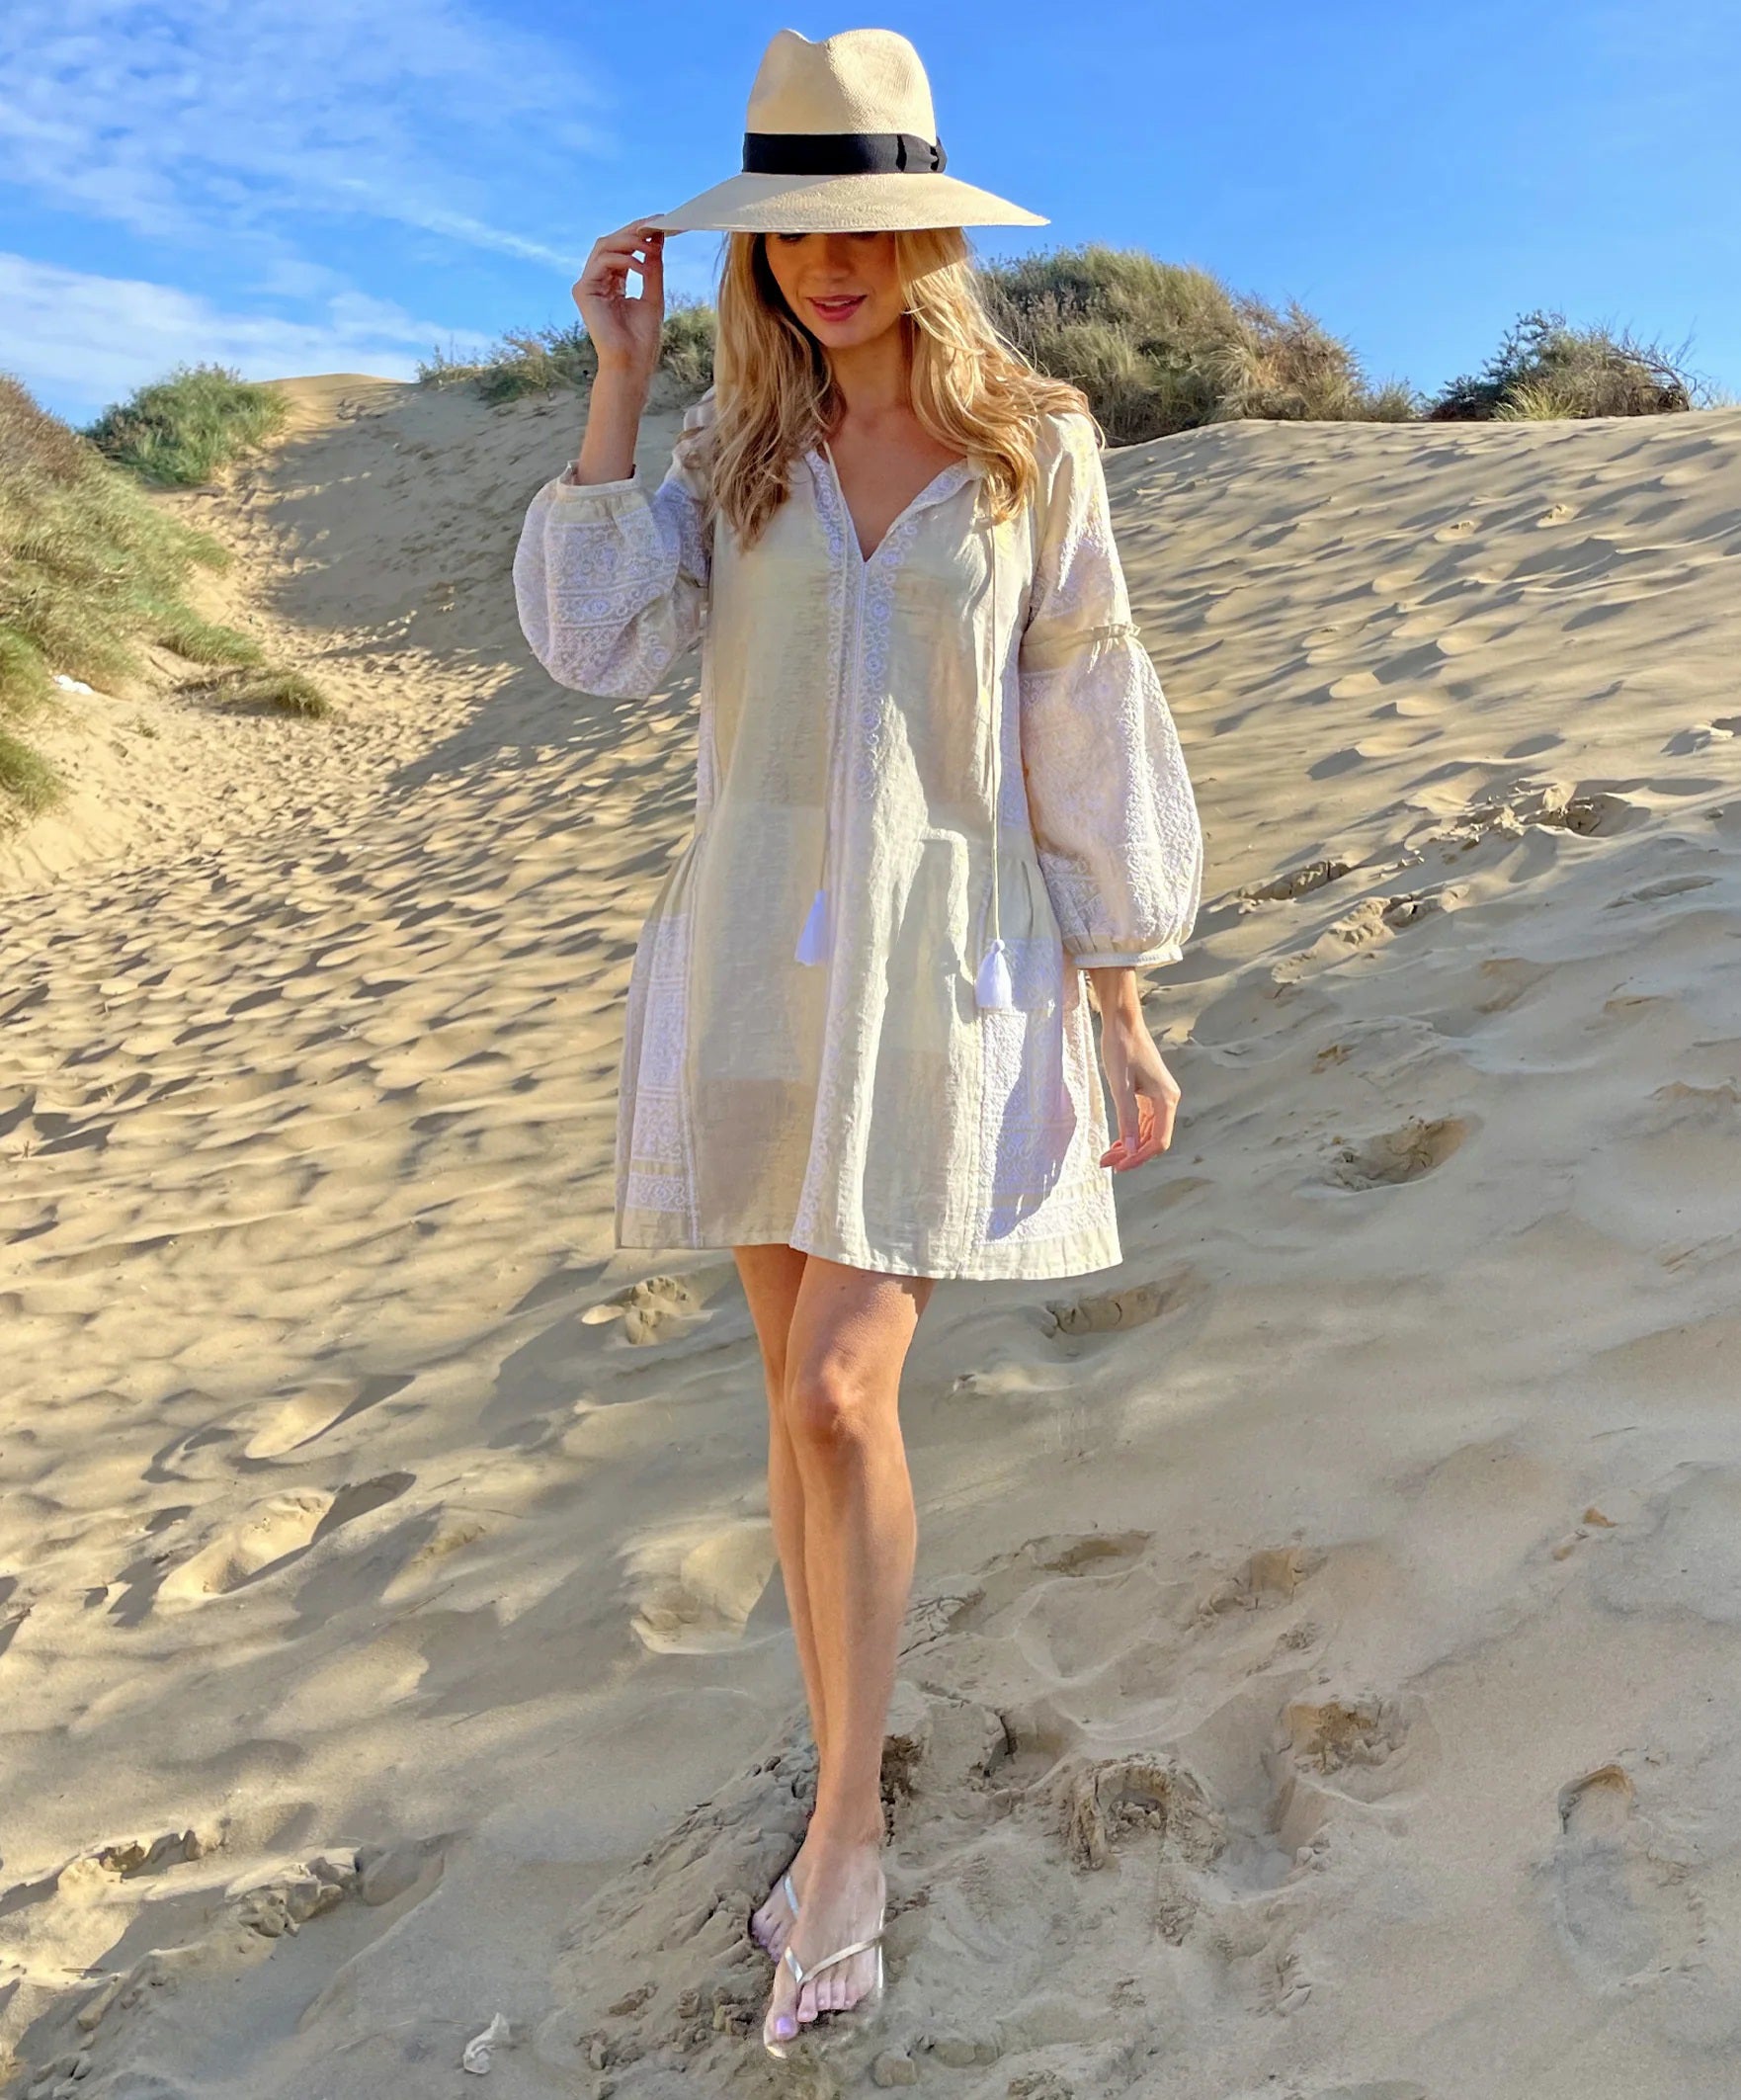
<point x="625" y="334"/>
<point x="612" y="582"/>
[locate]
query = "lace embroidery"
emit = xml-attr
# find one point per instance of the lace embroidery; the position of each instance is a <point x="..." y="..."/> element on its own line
<point x="611" y="585"/>
<point x="1114" y="820"/>
<point x="654" y="1167"/>
<point x="877" y="615"/>
<point x="1042" y="1117"/>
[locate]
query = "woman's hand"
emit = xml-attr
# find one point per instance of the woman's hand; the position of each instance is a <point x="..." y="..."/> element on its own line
<point x="624" y="332"/>
<point x="1145" y="1095"/>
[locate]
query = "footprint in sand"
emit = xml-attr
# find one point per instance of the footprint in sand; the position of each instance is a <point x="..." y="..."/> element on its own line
<point x="1116" y="1311"/>
<point x="692" y="1591"/>
<point x="1595" y="813"/>
<point x="124" y="1860"/>
<point x="648" y="1309"/>
<point x="284" y="1424"/>
<point x="1296" y="882"/>
<point x="1371" y="921"/>
<point x="271" y="1533"/>
<point x="1011" y="1578"/>
<point x="1106" y="1804"/>
<point x="1664" y="887"/>
<point x="271" y="1536"/>
<point x="1555" y="805"/>
<point x="1416" y="1147"/>
<point x="1721" y="729"/>
<point x="1332" y="1735"/>
<point x="1620" y="1907"/>
<point x="1268" y="1577"/>
<point x="1340" y="1748"/>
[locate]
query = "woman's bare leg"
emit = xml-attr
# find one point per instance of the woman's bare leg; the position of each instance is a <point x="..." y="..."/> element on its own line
<point x="846" y="1341"/>
<point x="771" y="1276"/>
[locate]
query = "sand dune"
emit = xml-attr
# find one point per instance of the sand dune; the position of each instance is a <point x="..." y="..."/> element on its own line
<point x="1322" y="1677"/>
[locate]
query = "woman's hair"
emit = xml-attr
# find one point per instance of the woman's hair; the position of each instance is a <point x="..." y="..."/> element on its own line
<point x="775" y="396"/>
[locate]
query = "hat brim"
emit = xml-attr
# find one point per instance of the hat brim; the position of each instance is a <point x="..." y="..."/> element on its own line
<point x="841" y="204"/>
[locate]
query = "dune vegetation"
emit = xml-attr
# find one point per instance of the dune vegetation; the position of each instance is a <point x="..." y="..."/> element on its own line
<point x="1159" y="347"/>
<point x="178" y="432"/>
<point x="91" y="572"/>
<point x="540" y="360"/>
<point x="1546" y="368"/>
<point x="1162" y="347"/>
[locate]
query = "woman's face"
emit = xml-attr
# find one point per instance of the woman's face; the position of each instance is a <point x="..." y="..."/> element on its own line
<point x="845" y="288"/>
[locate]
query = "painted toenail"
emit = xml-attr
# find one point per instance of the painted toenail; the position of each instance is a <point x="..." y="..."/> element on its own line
<point x="784" y="2028"/>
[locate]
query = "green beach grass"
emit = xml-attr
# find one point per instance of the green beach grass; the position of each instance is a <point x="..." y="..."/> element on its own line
<point x="90" y="571"/>
<point x="1160" y="347"/>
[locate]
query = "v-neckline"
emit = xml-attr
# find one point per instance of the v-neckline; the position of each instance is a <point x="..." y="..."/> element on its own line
<point x="913" y="503"/>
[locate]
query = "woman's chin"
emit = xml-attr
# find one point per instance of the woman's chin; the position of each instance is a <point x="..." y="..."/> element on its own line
<point x="848" y="334"/>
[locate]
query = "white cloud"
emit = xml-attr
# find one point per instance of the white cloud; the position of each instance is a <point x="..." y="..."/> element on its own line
<point x="80" y="342"/>
<point x="221" y="120"/>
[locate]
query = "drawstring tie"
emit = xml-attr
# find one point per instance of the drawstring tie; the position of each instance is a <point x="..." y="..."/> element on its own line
<point x="816" y="939"/>
<point x="993" y="987"/>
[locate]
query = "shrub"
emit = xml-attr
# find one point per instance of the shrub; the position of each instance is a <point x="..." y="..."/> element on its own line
<point x="542" y="359"/>
<point x="177" y="433"/>
<point x="262" y="690"/>
<point x="27" y="780"/>
<point x="1156" y="347"/>
<point x="1543" y="367"/>
<point x="89" y="570"/>
<point x="686" y="349"/>
<point x="1160" y="347"/>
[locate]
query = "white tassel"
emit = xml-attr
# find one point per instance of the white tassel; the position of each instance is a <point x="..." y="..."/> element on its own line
<point x="993" y="987"/>
<point x="813" y="941"/>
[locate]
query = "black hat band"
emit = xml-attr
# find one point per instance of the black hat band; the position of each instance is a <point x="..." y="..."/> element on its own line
<point x="841" y="154"/>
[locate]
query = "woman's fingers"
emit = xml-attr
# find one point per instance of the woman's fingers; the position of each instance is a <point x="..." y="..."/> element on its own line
<point x="637" y="248"/>
<point x="652" y="267"/>
<point x="1146" y="1125"/>
<point x="1128" y="1107"/>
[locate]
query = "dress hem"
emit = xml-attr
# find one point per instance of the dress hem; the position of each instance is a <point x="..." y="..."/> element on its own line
<point x="985" y="1267"/>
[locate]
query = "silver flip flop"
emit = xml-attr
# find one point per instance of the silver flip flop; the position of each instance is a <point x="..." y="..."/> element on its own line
<point x="852" y="2014"/>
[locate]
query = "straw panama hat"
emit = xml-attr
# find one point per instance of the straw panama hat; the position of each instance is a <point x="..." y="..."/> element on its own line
<point x="840" y="138"/>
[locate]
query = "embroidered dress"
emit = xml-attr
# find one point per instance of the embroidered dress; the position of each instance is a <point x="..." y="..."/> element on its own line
<point x="901" y="761"/>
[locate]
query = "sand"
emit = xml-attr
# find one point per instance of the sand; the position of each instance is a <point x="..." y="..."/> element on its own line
<point x="1322" y="1679"/>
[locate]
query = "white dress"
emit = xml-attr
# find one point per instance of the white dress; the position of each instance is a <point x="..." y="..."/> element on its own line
<point x="875" y="738"/>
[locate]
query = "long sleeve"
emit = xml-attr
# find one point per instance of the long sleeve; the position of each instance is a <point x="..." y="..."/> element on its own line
<point x="1115" y="820"/>
<point x="611" y="582"/>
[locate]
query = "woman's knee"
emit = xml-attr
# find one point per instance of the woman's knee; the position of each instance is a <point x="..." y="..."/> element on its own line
<point x="830" y="1410"/>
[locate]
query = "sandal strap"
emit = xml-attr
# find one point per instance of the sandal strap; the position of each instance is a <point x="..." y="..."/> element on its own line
<point x="801" y="1976"/>
<point x="789" y="1892"/>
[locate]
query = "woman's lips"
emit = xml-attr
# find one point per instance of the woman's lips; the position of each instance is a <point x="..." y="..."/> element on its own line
<point x="838" y="309"/>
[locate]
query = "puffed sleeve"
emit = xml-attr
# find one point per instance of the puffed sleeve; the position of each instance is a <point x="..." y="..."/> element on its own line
<point x="611" y="582"/>
<point x="1115" y="820"/>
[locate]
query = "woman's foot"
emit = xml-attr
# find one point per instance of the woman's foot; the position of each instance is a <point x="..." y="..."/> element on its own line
<point x="769" y="1925"/>
<point x="843" y="1895"/>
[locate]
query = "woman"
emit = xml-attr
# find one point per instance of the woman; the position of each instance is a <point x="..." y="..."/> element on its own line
<point x="937" y="786"/>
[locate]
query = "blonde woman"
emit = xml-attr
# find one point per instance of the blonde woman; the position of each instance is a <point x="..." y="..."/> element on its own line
<point x="938" y="792"/>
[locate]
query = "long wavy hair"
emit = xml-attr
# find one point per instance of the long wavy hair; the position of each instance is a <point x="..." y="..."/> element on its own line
<point x="774" y="395"/>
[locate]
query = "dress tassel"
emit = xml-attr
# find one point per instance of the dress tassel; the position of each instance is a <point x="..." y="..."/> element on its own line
<point x="813" y="941"/>
<point x="993" y="987"/>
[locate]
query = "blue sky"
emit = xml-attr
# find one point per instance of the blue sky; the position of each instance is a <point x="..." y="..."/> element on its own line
<point x="293" y="186"/>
